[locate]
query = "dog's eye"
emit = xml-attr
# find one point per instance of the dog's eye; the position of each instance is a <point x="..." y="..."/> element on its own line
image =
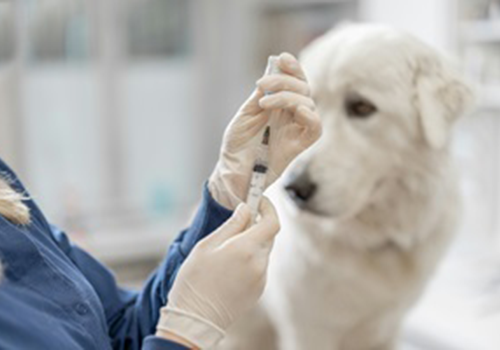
<point x="360" y="109"/>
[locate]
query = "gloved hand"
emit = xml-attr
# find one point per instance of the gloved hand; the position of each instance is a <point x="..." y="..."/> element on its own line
<point x="297" y="127"/>
<point x="222" y="278"/>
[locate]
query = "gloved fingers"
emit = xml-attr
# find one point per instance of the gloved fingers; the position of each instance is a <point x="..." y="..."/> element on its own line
<point x="279" y="82"/>
<point x="266" y="229"/>
<point x="244" y="128"/>
<point x="251" y="106"/>
<point x="310" y="120"/>
<point x="288" y="64"/>
<point x="264" y="253"/>
<point x="286" y="100"/>
<point x="235" y="225"/>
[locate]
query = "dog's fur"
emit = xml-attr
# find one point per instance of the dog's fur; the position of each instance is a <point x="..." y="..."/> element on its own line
<point x="348" y="266"/>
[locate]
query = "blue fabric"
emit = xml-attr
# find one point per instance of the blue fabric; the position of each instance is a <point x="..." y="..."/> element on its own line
<point x="155" y="343"/>
<point x="56" y="296"/>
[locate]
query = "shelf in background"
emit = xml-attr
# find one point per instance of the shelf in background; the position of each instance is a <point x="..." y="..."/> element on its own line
<point x="289" y="3"/>
<point x="481" y="31"/>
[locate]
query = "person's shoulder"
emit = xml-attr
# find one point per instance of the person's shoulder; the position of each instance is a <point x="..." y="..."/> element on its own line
<point x="7" y="174"/>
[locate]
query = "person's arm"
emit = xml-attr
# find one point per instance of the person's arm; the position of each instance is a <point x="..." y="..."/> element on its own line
<point x="132" y="316"/>
<point x="167" y="341"/>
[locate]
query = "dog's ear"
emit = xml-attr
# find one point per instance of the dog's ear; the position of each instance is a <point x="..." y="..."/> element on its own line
<point x="442" y="97"/>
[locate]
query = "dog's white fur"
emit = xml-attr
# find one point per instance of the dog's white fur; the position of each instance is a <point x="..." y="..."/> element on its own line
<point x="343" y="276"/>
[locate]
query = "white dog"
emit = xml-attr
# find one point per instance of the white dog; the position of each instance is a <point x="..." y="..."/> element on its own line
<point x="374" y="202"/>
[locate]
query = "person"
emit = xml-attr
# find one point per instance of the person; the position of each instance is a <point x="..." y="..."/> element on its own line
<point x="54" y="295"/>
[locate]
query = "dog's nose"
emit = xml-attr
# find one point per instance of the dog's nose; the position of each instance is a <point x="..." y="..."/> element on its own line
<point x="301" y="189"/>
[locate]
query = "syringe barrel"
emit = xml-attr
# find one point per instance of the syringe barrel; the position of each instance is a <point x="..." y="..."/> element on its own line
<point x="257" y="187"/>
<point x="259" y="173"/>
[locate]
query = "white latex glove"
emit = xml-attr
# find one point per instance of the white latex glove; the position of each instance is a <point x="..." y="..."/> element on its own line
<point x="222" y="278"/>
<point x="296" y="128"/>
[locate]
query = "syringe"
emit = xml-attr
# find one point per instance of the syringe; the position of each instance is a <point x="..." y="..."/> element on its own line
<point x="260" y="168"/>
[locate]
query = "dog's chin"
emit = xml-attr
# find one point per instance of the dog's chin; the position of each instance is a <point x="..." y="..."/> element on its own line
<point x="309" y="215"/>
<point x="312" y="215"/>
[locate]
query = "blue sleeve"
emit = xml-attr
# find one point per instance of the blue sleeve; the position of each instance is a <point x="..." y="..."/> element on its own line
<point x="155" y="343"/>
<point x="132" y="316"/>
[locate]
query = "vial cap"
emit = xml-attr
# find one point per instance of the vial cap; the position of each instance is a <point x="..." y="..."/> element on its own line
<point x="272" y="65"/>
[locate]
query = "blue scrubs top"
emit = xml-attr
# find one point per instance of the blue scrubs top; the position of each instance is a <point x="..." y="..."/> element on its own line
<point x="54" y="295"/>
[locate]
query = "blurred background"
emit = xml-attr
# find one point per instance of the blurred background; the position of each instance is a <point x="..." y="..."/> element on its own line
<point x="112" y="113"/>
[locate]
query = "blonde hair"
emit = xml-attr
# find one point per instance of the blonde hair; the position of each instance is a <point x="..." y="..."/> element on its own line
<point x="12" y="206"/>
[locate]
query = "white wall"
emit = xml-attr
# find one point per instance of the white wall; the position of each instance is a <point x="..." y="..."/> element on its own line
<point x="430" y="20"/>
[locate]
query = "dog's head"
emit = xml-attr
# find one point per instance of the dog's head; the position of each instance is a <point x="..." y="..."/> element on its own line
<point x="387" y="101"/>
